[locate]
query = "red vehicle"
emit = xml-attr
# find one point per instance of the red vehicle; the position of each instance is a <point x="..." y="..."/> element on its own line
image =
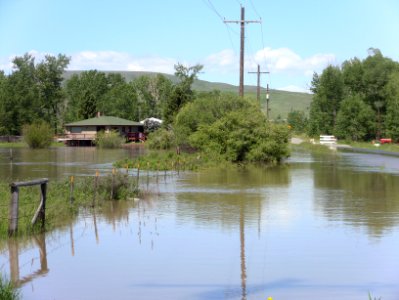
<point x="385" y="141"/>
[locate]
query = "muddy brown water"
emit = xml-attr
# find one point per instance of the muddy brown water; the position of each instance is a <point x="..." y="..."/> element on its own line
<point x="322" y="226"/>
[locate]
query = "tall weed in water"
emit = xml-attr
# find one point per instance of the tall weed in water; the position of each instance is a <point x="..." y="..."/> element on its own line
<point x="7" y="290"/>
<point x="109" y="140"/>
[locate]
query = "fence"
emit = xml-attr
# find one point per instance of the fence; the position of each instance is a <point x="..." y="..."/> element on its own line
<point x="84" y="193"/>
<point x="10" y="138"/>
<point x="14" y="203"/>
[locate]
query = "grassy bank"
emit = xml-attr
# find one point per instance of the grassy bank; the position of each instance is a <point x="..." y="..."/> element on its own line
<point x="64" y="200"/>
<point x="370" y="145"/>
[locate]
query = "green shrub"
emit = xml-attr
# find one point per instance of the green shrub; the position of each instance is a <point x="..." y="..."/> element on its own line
<point x="38" y="135"/>
<point x="7" y="290"/>
<point x="162" y="139"/>
<point x="109" y="140"/>
<point x="243" y="136"/>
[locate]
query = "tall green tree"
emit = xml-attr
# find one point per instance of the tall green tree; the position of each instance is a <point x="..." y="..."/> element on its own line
<point x="392" y="115"/>
<point x="329" y="92"/>
<point x="49" y="78"/>
<point x="23" y="93"/>
<point x="85" y="93"/>
<point x="355" y="120"/>
<point x="182" y="92"/>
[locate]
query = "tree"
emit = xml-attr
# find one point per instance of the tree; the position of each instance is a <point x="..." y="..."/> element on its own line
<point x="85" y="93"/>
<point x="329" y="88"/>
<point x="181" y="92"/>
<point x="355" y="119"/>
<point x="22" y="103"/>
<point x="49" y="77"/>
<point x="297" y="120"/>
<point x="392" y="115"/>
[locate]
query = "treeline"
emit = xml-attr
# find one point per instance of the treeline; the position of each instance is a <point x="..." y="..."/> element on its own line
<point x="357" y="101"/>
<point x="37" y="92"/>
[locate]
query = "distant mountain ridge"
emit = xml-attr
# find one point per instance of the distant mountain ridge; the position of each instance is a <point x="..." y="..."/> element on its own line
<point x="280" y="104"/>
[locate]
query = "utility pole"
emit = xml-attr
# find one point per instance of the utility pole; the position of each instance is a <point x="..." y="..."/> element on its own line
<point x="267" y="102"/>
<point x="242" y="22"/>
<point x="258" y="85"/>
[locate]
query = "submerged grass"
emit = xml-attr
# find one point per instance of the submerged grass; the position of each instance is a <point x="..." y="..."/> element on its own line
<point x="86" y="192"/>
<point x="7" y="289"/>
<point x="158" y="160"/>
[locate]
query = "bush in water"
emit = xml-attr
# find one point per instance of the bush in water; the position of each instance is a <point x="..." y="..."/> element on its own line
<point x="38" y="135"/>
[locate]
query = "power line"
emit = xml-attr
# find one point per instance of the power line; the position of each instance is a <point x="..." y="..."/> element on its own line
<point x="253" y="7"/>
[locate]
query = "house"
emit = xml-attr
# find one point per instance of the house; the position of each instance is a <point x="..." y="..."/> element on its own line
<point x="83" y="133"/>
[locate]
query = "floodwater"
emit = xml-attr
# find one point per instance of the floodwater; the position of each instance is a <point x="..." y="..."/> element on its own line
<point x="60" y="162"/>
<point x="322" y="226"/>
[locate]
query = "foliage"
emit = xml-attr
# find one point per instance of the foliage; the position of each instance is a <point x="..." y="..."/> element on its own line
<point x="38" y="135"/>
<point x="243" y="135"/>
<point x="7" y="290"/>
<point x="204" y="111"/>
<point x="325" y="105"/>
<point x="226" y="127"/>
<point x="392" y="115"/>
<point x="369" y="89"/>
<point x="32" y="92"/>
<point x="297" y="120"/>
<point x="85" y="92"/>
<point x="182" y="92"/>
<point x="109" y="140"/>
<point x="354" y="120"/>
<point x="162" y="139"/>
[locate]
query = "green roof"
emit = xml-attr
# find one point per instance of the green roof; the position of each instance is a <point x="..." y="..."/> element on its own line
<point x="105" y="121"/>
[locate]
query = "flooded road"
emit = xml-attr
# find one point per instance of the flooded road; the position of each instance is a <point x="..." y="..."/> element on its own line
<point x="323" y="226"/>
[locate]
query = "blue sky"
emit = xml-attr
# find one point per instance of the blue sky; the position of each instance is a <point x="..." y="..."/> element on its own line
<point x="295" y="39"/>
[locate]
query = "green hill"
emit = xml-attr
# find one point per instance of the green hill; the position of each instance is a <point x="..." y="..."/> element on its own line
<point x="280" y="104"/>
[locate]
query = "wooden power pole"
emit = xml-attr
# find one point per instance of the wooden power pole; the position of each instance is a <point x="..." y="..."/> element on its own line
<point x="258" y="85"/>
<point x="267" y="102"/>
<point x="242" y="22"/>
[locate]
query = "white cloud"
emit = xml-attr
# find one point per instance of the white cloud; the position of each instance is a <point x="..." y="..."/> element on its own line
<point x="294" y="88"/>
<point x="222" y="61"/>
<point x="284" y="60"/>
<point x="120" y="61"/>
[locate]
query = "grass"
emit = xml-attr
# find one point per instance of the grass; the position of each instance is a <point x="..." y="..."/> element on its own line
<point x="25" y="145"/>
<point x="14" y="145"/>
<point x="7" y="290"/>
<point x="370" y="145"/>
<point x="168" y="160"/>
<point x="59" y="210"/>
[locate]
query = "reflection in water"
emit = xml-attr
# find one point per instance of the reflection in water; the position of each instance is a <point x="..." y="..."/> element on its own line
<point x="359" y="197"/>
<point x="13" y="248"/>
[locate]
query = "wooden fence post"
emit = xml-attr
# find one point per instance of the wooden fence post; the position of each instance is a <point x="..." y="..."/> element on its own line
<point x="138" y="174"/>
<point x="112" y="184"/>
<point x="13" y="212"/>
<point x="95" y="188"/>
<point x="72" y="186"/>
<point x="42" y="211"/>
